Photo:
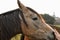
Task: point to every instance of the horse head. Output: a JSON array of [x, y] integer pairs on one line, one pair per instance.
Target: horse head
[[35, 27]]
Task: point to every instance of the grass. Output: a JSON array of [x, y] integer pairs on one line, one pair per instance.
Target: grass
[[57, 25]]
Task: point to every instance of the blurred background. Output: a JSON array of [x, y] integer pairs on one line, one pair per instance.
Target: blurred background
[[41, 6]]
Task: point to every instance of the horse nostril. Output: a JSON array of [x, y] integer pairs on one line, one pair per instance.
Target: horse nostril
[[52, 36]]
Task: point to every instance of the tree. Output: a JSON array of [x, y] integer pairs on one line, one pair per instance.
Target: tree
[[49, 19]]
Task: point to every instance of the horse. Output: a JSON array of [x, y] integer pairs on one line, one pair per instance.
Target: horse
[[26, 21], [35, 17]]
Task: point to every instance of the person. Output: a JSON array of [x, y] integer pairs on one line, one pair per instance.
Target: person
[[57, 34]]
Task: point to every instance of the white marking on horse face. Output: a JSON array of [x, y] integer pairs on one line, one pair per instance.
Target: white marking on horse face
[[20, 17]]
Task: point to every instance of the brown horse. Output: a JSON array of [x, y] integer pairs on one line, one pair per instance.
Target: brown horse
[[36, 28], [25, 21]]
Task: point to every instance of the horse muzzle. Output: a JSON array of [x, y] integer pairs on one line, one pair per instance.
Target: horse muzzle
[[52, 36]]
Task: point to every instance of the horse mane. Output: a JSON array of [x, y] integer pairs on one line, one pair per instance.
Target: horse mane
[[10, 24], [9, 12]]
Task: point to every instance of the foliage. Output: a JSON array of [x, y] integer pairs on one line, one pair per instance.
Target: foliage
[[49, 19]]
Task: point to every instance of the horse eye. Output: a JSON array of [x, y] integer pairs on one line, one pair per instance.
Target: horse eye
[[34, 18]]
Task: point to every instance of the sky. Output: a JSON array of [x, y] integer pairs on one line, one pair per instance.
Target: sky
[[41, 6]]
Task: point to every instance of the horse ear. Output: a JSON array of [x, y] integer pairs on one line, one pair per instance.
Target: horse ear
[[22, 7]]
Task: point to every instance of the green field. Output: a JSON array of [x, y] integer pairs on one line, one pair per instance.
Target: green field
[[57, 25]]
